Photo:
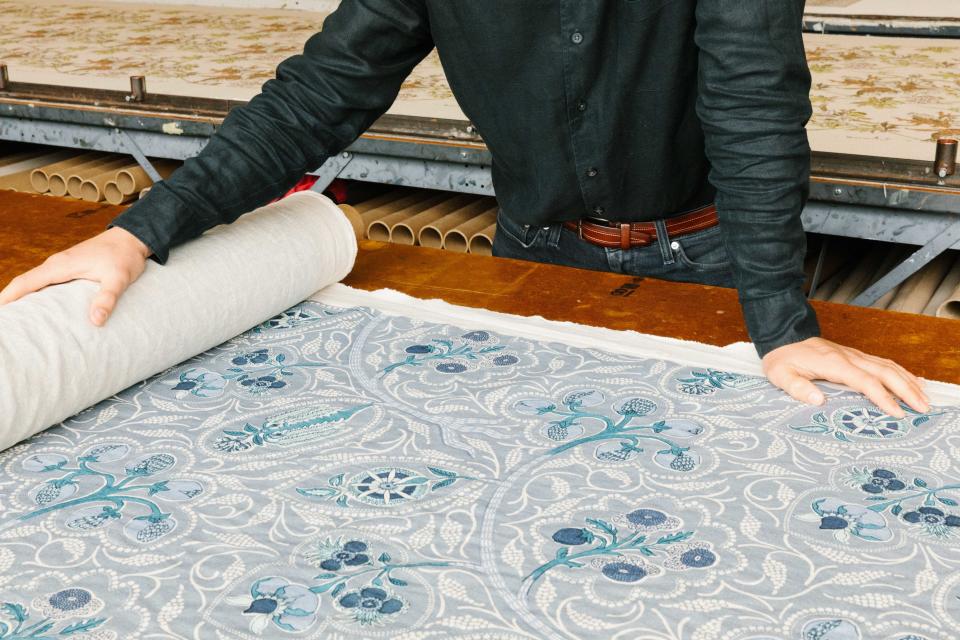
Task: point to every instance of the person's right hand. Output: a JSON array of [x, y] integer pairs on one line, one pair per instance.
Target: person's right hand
[[114, 258]]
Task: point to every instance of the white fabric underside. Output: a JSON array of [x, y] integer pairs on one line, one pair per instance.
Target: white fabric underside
[[739, 357]]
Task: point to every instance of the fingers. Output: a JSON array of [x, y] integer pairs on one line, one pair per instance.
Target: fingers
[[106, 299], [891, 378], [50, 272], [798, 386], [844, 371]]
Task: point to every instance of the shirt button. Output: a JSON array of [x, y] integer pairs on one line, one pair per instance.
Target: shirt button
[[675, 245], [592, 172], [581, 106], [599, 210], [576, 38]]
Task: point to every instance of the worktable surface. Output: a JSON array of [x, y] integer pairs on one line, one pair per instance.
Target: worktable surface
[[34, 226]]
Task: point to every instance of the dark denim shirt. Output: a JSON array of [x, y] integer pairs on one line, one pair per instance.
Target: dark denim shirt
[[622, 109]]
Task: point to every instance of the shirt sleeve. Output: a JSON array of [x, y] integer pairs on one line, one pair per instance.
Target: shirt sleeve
[[319, 102], [753, 105]]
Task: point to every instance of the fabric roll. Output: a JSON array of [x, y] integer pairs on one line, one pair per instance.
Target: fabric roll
[[56, 363]]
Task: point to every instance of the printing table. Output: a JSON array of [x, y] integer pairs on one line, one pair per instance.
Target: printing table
[[34, 226]]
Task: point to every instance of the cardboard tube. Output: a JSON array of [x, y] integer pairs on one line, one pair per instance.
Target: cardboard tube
[[91, 189], [458, 238], [30, 160], [858, 277], [826, 288], [77, 178], [16, 181], [949, 306], [380, 229], [482, 243], [917, 290], [59, 178], [406, 231], [40, 177], [352, 215], [15, 176], [381, 200], [144, 192], [950, 282], [431, 235], [112, 194], [131, 181], [371, 215], [894, 257]]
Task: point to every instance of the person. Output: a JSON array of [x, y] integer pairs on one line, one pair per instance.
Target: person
[[613, 126]]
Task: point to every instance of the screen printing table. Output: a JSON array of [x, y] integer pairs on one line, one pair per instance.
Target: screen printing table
[[929, 347], [879, 106], [928, 18]]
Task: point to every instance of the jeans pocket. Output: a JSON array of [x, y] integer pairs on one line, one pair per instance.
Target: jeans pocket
[[703, 251], [524, 235]]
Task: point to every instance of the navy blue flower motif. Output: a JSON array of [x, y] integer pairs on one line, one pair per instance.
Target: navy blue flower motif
[[883, 480], [258, 385], [477, 336], [931, 517], [370, 604], [70, 599], [505, 360], [697, 558], [420, 348], [624, 572], [254, 357], [451, 367], [351, 555], [71, 602], [572, 536]]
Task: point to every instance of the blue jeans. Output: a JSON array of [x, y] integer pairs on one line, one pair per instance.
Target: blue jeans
[[699, 257]]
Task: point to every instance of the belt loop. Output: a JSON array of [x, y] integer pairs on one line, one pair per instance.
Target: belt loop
[[553, 235], [663, 240], [625, 236]]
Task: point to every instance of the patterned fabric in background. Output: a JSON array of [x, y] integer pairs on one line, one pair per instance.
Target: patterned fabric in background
[[347, 473], [889, 97]]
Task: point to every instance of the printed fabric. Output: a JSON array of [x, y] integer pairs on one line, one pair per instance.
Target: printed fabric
[[344, 473]]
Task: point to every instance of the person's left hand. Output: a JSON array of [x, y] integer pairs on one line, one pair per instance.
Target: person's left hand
[[793, 368]]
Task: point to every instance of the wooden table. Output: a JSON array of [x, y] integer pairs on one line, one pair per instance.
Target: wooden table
[[35, 226]]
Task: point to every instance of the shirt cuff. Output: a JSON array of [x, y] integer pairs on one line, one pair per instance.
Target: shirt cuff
[[160, 220], [780, 319]]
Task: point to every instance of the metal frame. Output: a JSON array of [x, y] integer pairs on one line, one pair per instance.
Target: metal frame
[[854, 196], [882, 25]]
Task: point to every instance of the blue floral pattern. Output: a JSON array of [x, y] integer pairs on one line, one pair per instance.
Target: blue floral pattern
[[345, 473]]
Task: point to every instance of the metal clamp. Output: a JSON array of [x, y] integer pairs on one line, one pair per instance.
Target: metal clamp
[[138, 89], [945, 162]]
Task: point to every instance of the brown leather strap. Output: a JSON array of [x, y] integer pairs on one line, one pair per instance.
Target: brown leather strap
[[620, 235]]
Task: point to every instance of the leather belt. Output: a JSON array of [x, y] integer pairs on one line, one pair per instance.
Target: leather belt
[[625, 235]]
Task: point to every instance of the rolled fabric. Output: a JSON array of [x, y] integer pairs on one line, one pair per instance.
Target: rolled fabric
[[56, 363]]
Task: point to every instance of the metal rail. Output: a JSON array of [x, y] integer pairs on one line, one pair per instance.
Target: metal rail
[[889, 200]]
